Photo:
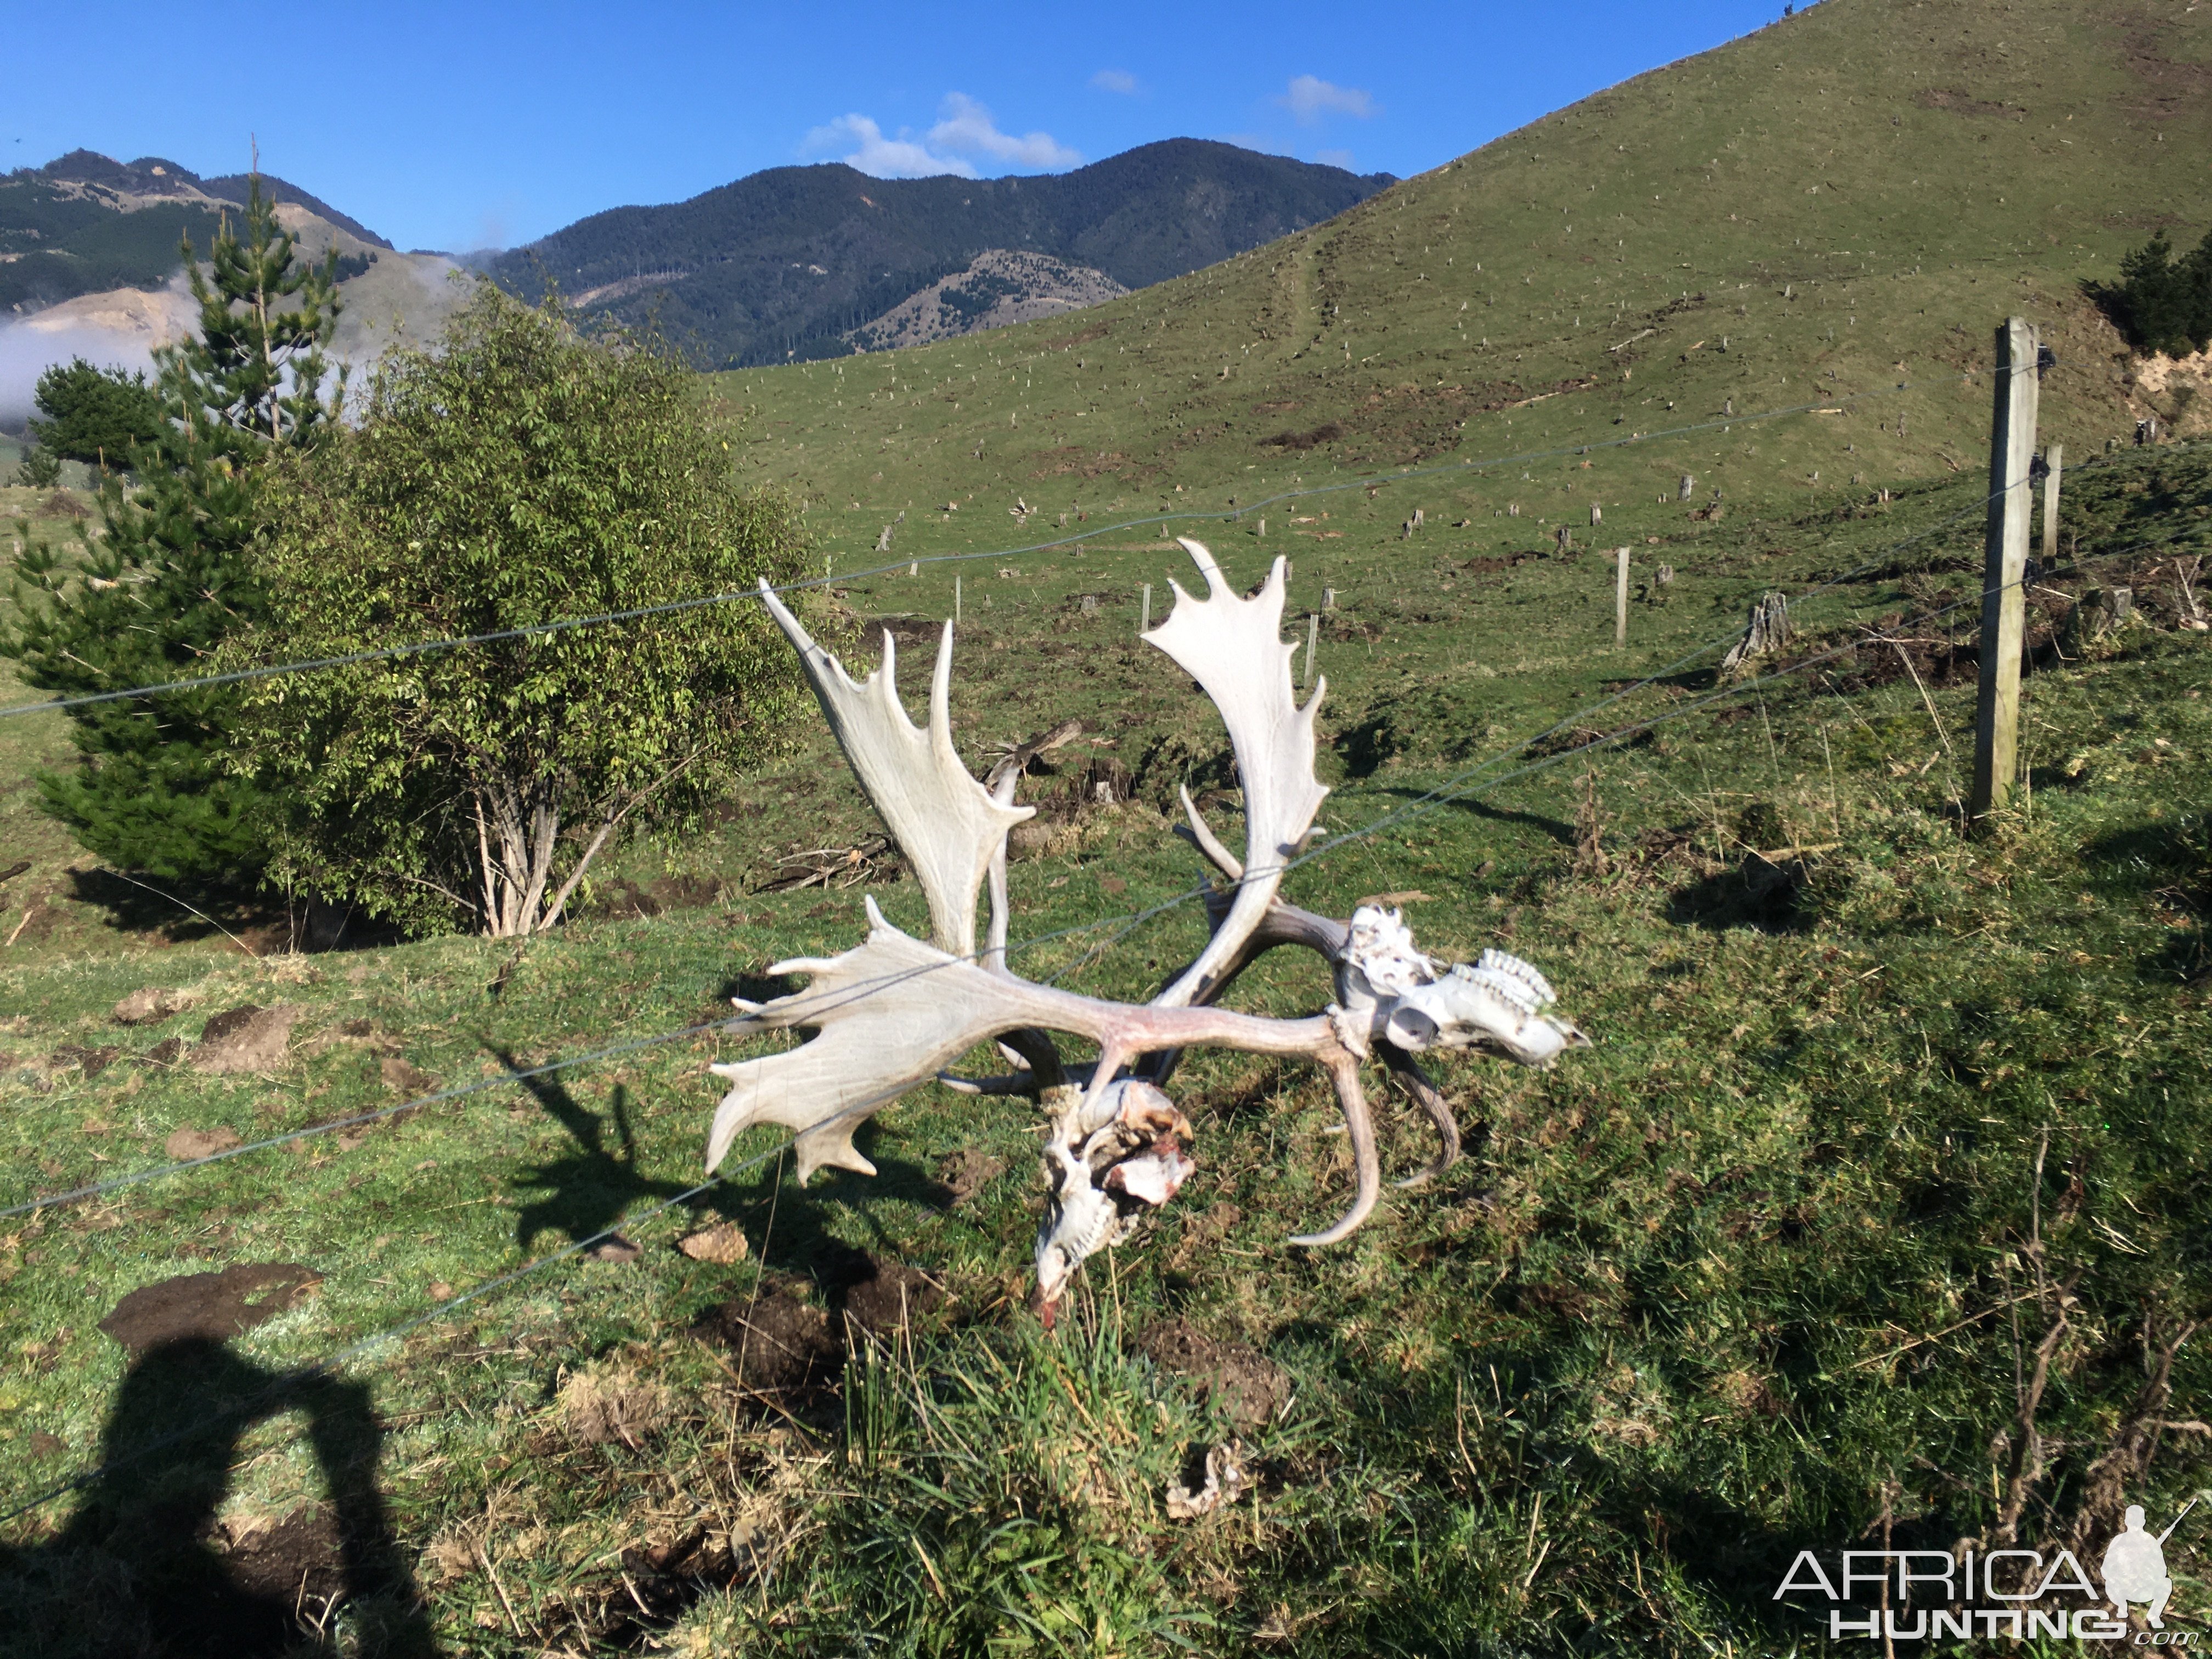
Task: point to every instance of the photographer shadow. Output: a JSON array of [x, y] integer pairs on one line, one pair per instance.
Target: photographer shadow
[[147, 1564]]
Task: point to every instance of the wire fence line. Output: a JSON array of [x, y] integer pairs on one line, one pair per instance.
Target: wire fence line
[[532, 630], [1452, 791], [1445, 794], [1127, 923]]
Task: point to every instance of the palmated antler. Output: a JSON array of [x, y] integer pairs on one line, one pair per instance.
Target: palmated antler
[[1233, 648], [947, 823], [891, 1013]]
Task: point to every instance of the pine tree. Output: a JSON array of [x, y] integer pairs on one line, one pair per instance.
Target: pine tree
[[170, 578], [95, 415], [2162, 303]]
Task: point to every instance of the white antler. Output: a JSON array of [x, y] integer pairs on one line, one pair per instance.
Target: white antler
[[889, 1015], [1233, 647], [945, 823]]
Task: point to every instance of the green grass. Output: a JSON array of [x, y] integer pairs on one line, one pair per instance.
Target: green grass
[[1767, 1266], [1687, 1290]]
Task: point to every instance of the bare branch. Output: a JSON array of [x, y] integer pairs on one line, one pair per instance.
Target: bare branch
[[638, 798]]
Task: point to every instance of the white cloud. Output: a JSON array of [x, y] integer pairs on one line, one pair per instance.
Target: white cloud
[[964, 126], [1118, 81], [877, 156], [1309, 98], [964, 130], [1334, 158]]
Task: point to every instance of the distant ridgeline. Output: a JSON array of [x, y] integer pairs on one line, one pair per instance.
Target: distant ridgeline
[[86, 224], [808, 262]]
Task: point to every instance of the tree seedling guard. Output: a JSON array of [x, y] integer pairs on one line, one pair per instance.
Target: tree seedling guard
[[890, 1014]]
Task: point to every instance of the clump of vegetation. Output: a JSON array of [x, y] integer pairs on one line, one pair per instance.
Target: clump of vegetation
[[98, 416], [2162, 303], [515, 474], [39, 468], [169, 577]]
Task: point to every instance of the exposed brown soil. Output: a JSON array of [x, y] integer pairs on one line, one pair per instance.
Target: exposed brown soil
[[778, 1343], [403, 1077], [298, 1558], [91, 1062], [1245, 1384], [149, 1005], [246, 1039], [892, 1295], [968, 1171], [183, 1145], [1960, 103], [213, 1305], [626, 898]]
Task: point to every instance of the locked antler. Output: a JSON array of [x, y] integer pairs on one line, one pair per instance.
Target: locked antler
[[891, 1012]]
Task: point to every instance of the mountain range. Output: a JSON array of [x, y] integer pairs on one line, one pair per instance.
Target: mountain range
[[1827, 216], [804, 262], [85, 222], [800, 262]]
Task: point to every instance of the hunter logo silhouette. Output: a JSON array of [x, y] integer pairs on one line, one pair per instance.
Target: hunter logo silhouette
[[2134, 1567]]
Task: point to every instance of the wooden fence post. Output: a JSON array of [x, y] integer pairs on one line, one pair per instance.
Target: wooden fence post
[[955, 599], [2055, 459], [1621, 601], [2004, 565], [1145, 625]]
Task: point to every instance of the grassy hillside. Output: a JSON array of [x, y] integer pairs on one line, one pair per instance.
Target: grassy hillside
[[1849, 200]]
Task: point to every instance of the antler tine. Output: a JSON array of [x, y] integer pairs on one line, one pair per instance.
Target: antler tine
[[1359, 1129], [1233, 648], [1431, 1099], [995, 947], [947, 823], [1202, 836]]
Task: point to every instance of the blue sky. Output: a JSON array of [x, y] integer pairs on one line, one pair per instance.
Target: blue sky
[[459, 127]]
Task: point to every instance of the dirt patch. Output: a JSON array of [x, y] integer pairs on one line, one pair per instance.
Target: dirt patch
[[890, 1295], [625, 898], [298, 1558], [218, 1306], [91, 1062], [1960, 103], [150, 1005], [246, 1039], [616, 1405], [188, 1144], [778, 1343], [968, 1171], [1327, 432], [721, 1245], [1245, 1384], [2170, 86], [1083, 462], [402, 1078], [1084, 336]]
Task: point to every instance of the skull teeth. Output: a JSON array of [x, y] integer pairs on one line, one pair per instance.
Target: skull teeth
[[1512, 968]]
